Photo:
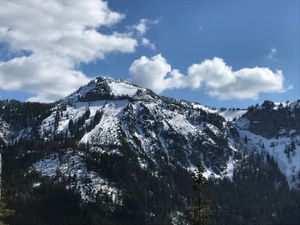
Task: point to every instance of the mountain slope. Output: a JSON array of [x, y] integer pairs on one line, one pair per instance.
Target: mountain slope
[[273, 129]]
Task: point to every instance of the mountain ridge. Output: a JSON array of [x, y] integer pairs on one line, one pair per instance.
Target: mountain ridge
[[105, 90]]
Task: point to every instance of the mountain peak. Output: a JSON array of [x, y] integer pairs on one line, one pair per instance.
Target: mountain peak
[[105, 88]]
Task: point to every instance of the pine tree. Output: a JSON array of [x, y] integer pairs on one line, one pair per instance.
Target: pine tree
[[87, 113], [56, 120], [246, 139], [4, 212], [200, 211], [71, 127]]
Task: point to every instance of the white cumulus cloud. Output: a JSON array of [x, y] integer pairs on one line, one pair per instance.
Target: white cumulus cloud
[[141, 28], [155, 73], [58, 35], [218, 79]]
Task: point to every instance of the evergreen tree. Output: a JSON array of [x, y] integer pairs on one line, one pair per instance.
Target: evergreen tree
[[246, 139], [56, 121], [200, 211], [87, 113], [4, 212]]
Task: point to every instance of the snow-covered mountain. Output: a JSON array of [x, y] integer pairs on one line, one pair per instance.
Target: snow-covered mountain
[[156, 128], [121, 131], [179, 132]]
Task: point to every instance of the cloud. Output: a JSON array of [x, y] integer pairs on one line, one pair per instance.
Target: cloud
[[155, 73], [217, 78], [58, 35], [47, 78], [272, 54], [150, 73], [143, 26], [146, 42]]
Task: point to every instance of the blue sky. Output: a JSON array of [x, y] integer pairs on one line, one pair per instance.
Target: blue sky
[[244, 34]]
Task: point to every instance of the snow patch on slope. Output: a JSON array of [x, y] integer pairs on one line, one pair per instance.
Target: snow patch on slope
[[179, 122], [204, 108], [230, 115], [10, 135], [123, 89], [107, 131], [88, 183]]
